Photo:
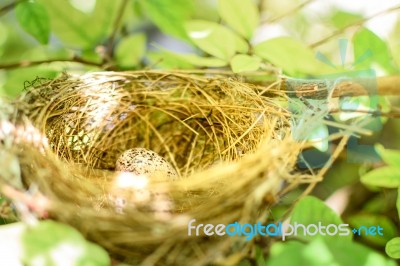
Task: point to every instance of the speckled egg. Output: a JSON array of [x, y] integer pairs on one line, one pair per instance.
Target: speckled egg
[[142, 161]]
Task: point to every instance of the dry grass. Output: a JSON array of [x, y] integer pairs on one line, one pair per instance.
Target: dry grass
[[230, 145]]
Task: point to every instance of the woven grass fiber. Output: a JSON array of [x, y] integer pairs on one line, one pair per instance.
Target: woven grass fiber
[[229, 143]]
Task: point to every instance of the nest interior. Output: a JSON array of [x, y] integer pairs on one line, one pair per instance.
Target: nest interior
[[230, 145]]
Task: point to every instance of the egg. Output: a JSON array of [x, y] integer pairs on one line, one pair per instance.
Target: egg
[[141, 161], [135, 169]]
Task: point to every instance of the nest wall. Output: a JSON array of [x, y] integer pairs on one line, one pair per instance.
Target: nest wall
[[230, 144]]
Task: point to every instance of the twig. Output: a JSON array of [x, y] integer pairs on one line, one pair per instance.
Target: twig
[[9, 7], [385, 86], [294, 10], [116, 26], [391, 114], [357, 23], [319, 177], [389, 85], [29, 201], [74, 59]]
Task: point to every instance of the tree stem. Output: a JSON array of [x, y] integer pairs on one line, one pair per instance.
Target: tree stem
[[74, 59]]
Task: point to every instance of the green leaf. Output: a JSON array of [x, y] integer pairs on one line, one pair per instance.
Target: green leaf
[[388, 228], [79, 29], [94, 255], [291, 55], [169, 15], [14, 79], [388, 177], [279, 251], [214, 39], [259, 256], [319, 252], [393, 248], [372, 49], [52, 242], [202, 61], [376, 205], [167, 60], [241, 15], [190, 59], [34, 19], [391, 157], [311, 210], [341, 19], [130, 50], [245, 63], [398, 202]]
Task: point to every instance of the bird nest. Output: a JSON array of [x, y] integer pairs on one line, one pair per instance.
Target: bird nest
[[230, 145]]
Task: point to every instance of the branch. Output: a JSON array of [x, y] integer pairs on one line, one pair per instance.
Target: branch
[[317, 89], [290, 12], [74, 59], [357, 23], [117, 23], [9, 7], [389, 85]]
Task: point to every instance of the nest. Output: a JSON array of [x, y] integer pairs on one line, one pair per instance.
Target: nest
[[230, 145]]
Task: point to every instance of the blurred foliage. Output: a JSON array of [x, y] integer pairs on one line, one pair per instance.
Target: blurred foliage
[[80, 36], [51, 243], [42, 38]]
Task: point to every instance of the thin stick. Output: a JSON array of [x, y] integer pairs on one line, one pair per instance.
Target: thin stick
[[389, 85], [357, 23], [290, 12], [9, 7], [117, 24], [74, 59]]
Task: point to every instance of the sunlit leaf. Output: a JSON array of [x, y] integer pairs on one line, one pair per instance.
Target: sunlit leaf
[[319, 252], [202, 61], [393, 248], [311, 210], [15, 79], [52, 242], [214, 39], [341, 18], [167, 60], [189, 59], [394, 44], [245, 63], [391, 157], [365, 41], [169, 15], [34, 19], [130, 50], [94, 255], [79, 29], [388, 177], [291, 55], [241, 15], [91, 56]]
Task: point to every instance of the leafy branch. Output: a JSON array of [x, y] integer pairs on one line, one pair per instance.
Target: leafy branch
[[74, 59], [355, 24]]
